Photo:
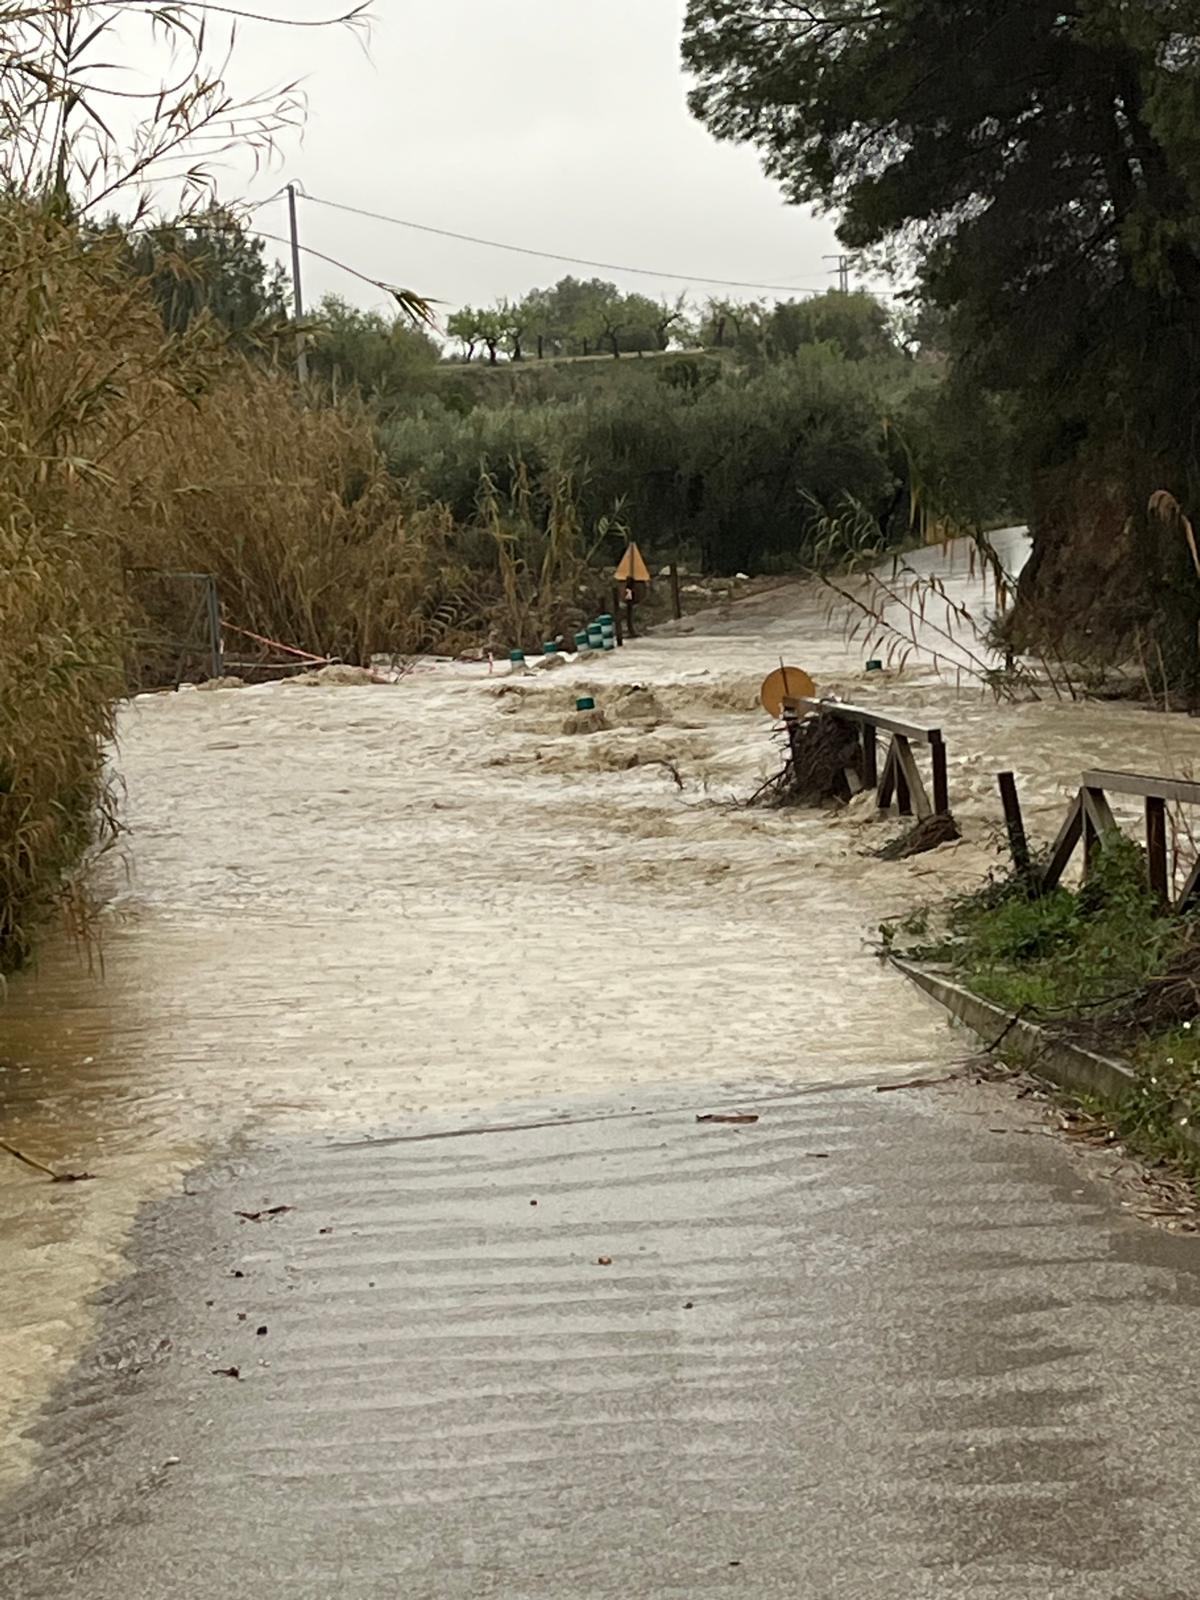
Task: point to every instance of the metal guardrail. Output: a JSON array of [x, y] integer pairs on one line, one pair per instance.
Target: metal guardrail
[[900, 780]]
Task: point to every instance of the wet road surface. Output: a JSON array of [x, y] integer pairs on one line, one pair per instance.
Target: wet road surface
[[874, 1345]]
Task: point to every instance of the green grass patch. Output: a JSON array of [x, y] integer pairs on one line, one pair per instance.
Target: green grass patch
[[1103, 965]]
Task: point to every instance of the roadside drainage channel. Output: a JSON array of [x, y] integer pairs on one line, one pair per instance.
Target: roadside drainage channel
[[1068, 1065]]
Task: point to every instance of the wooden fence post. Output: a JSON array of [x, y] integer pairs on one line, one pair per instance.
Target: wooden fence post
[[941, 785], [903, 792], [1017, 842], [870, 752], [1156, 848]]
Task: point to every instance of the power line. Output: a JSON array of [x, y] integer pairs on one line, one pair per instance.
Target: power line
[[549, 255], [418, 307], [307, 249]]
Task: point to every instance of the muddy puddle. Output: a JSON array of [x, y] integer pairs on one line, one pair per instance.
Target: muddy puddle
[[340, 907]]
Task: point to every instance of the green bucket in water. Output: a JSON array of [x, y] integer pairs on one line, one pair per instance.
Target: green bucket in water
[[874, 666], [585, 703], [581, 641], [516, 659], [549, 648]]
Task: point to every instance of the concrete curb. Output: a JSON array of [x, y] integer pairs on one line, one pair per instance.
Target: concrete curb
[[1068, 1065]]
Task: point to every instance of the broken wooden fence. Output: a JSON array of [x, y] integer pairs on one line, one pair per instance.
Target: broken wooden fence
[[900, 780], [1090, 818]]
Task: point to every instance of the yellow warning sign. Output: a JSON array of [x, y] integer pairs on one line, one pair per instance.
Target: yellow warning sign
[[786, 683], [632, 567]]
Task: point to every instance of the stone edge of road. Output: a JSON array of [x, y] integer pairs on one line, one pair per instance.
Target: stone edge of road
[[1067, 1065]]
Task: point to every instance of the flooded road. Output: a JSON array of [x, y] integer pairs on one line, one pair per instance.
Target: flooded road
[[872, 1345], [343, 907]]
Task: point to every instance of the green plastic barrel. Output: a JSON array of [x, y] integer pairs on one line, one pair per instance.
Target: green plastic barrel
[[581, 641], [549, 648], [610, 642], [585, 703]]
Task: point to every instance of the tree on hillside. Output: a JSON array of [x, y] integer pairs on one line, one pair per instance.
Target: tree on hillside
[[514, 317], [539, 310], [491, 327], [625, 324], [728, 323], [671, 320], [714, 322], [606, 320], [464, 326], [1036, 166], [643, 317], [580, 315]]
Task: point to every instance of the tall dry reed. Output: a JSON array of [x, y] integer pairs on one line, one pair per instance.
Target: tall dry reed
[[83, 366], [291, 507]]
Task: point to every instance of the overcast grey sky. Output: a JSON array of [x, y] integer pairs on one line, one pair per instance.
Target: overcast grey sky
[[556, 124]]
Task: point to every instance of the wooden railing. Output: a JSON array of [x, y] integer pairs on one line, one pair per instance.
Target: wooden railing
[[900, 780], [1090, 818]]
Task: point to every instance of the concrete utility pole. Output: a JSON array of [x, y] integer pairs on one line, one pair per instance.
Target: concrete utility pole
[[297, 296]]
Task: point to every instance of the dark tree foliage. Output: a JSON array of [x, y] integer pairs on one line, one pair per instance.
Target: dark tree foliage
[[1038, 166], [211, 264]]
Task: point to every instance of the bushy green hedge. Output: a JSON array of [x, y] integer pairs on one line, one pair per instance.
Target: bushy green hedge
[[706, 459]]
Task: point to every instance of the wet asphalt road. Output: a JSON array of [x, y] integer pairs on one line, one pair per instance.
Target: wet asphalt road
[[866, 1347]]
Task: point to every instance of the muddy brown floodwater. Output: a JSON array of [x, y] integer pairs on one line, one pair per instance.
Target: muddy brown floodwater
[[338, 907]]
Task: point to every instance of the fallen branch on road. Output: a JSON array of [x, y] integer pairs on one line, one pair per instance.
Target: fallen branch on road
[[49, 1172]]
